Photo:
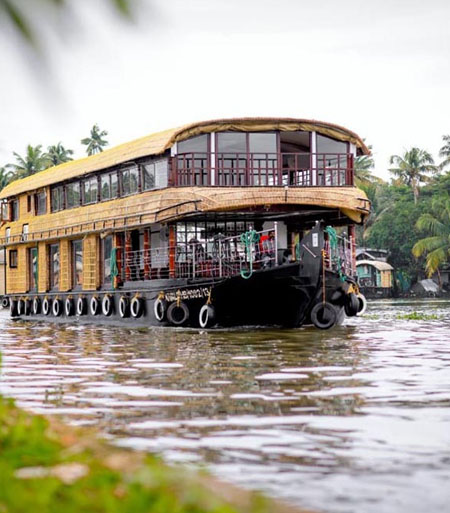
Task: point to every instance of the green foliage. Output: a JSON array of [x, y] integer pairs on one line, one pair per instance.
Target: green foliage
[[95, 142], [34, 161], [417, 316], [394, 227], [37, 474], [57, 154], [412, 168], [444, 152], [436, 224], [26, 20]]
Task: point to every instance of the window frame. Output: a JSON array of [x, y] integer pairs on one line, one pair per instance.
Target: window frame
[[37, 210], [51, 274], [13, 257]]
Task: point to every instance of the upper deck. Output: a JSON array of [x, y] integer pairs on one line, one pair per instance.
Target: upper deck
[[171, 173]]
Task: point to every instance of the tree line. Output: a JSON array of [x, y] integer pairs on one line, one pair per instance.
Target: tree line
[[410, 212], [36, 159]]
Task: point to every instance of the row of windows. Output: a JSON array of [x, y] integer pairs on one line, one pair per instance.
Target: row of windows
[[110, 185], [53, 264]]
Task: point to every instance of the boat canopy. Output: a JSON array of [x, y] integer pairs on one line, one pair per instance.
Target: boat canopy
[[159, 143]]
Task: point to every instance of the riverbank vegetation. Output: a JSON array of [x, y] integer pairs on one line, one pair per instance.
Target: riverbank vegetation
[[411, 212], [48, 467]]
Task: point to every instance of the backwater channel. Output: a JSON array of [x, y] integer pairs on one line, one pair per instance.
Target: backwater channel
[[355, 419]]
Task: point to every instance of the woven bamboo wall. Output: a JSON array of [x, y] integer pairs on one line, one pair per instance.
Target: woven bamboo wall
[[91, 262], [43, 279], [65, 261]]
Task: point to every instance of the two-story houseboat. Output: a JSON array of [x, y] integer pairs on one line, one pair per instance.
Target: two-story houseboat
[[228, 222]]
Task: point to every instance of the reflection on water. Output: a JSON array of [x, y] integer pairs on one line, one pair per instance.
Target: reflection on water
[[355, 419]]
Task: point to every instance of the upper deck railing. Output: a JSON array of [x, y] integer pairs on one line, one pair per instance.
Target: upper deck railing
[[263, 169]]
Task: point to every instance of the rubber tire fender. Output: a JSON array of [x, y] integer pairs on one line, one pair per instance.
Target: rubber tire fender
[[46, 307], [13, 308], [36, 306], [107, 305], [136, 307], [56, 307], [20, 307], [317, 316], [362, 304], [172, 316], [124, 307], [351, 305], [160, 309], [5, 302], [81, 306], [69, 307], [207, 316], [94, 305]]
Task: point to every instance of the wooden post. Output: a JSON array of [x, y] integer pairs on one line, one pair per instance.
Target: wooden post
[[147, 262], [119, 259], [127, 255], [172, 249], [352, 238]]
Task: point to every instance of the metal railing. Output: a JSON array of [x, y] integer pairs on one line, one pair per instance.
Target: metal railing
[[220, 257], [341, 257], [263, 169]]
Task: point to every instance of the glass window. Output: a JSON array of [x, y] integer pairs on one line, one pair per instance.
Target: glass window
[[197, 144], [14, 210], [155, 175], [41, 203], [13, 258], [107, 249], [5, 210], [232, 142], [114, 185], [7, 234], [331, 161], [90, 190], [73, 194], [25, 230], [263, 142], [130, 180], [105, 187], [125, 182], [57, 195], [33, 268], [54, 266], [77, 263]]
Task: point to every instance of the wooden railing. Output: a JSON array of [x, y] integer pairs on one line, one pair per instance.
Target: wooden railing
[[262, 169]]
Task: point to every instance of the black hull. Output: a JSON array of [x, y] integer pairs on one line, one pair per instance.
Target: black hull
[[282, 295]]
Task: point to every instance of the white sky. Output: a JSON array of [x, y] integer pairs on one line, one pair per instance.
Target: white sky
[[378, 67]]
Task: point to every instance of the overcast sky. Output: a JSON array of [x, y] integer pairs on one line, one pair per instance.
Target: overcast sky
[[380, 68]]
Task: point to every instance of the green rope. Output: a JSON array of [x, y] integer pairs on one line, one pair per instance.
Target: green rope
[[114, 267], [297, 251], [334, 253], [249, 238]]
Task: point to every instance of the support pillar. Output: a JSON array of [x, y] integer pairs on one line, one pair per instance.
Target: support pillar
[[352, 239], [127, 256], [147, 258], [172, 249]]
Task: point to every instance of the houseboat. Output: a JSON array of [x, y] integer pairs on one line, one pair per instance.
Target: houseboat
[[229, 222]]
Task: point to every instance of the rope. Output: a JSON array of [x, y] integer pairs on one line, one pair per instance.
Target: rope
[[249, 238], [114, 267]]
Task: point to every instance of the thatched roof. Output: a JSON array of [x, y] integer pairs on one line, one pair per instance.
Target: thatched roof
[[381, 266], [158, 143]]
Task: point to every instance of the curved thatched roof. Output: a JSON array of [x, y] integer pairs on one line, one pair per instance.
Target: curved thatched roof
[[158, 143], [378, 264]]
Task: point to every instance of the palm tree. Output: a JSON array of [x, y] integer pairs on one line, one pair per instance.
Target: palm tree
[[33, 162], [363, 167], [57, 154], [6, 176], [444, 152], [95, 142], [437, 245], [412, 168]]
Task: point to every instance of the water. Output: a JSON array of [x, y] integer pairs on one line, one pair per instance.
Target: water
[[356, 419]]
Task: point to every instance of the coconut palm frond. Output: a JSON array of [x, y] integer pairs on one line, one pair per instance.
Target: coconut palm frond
[[426, 245], [435, 259]]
